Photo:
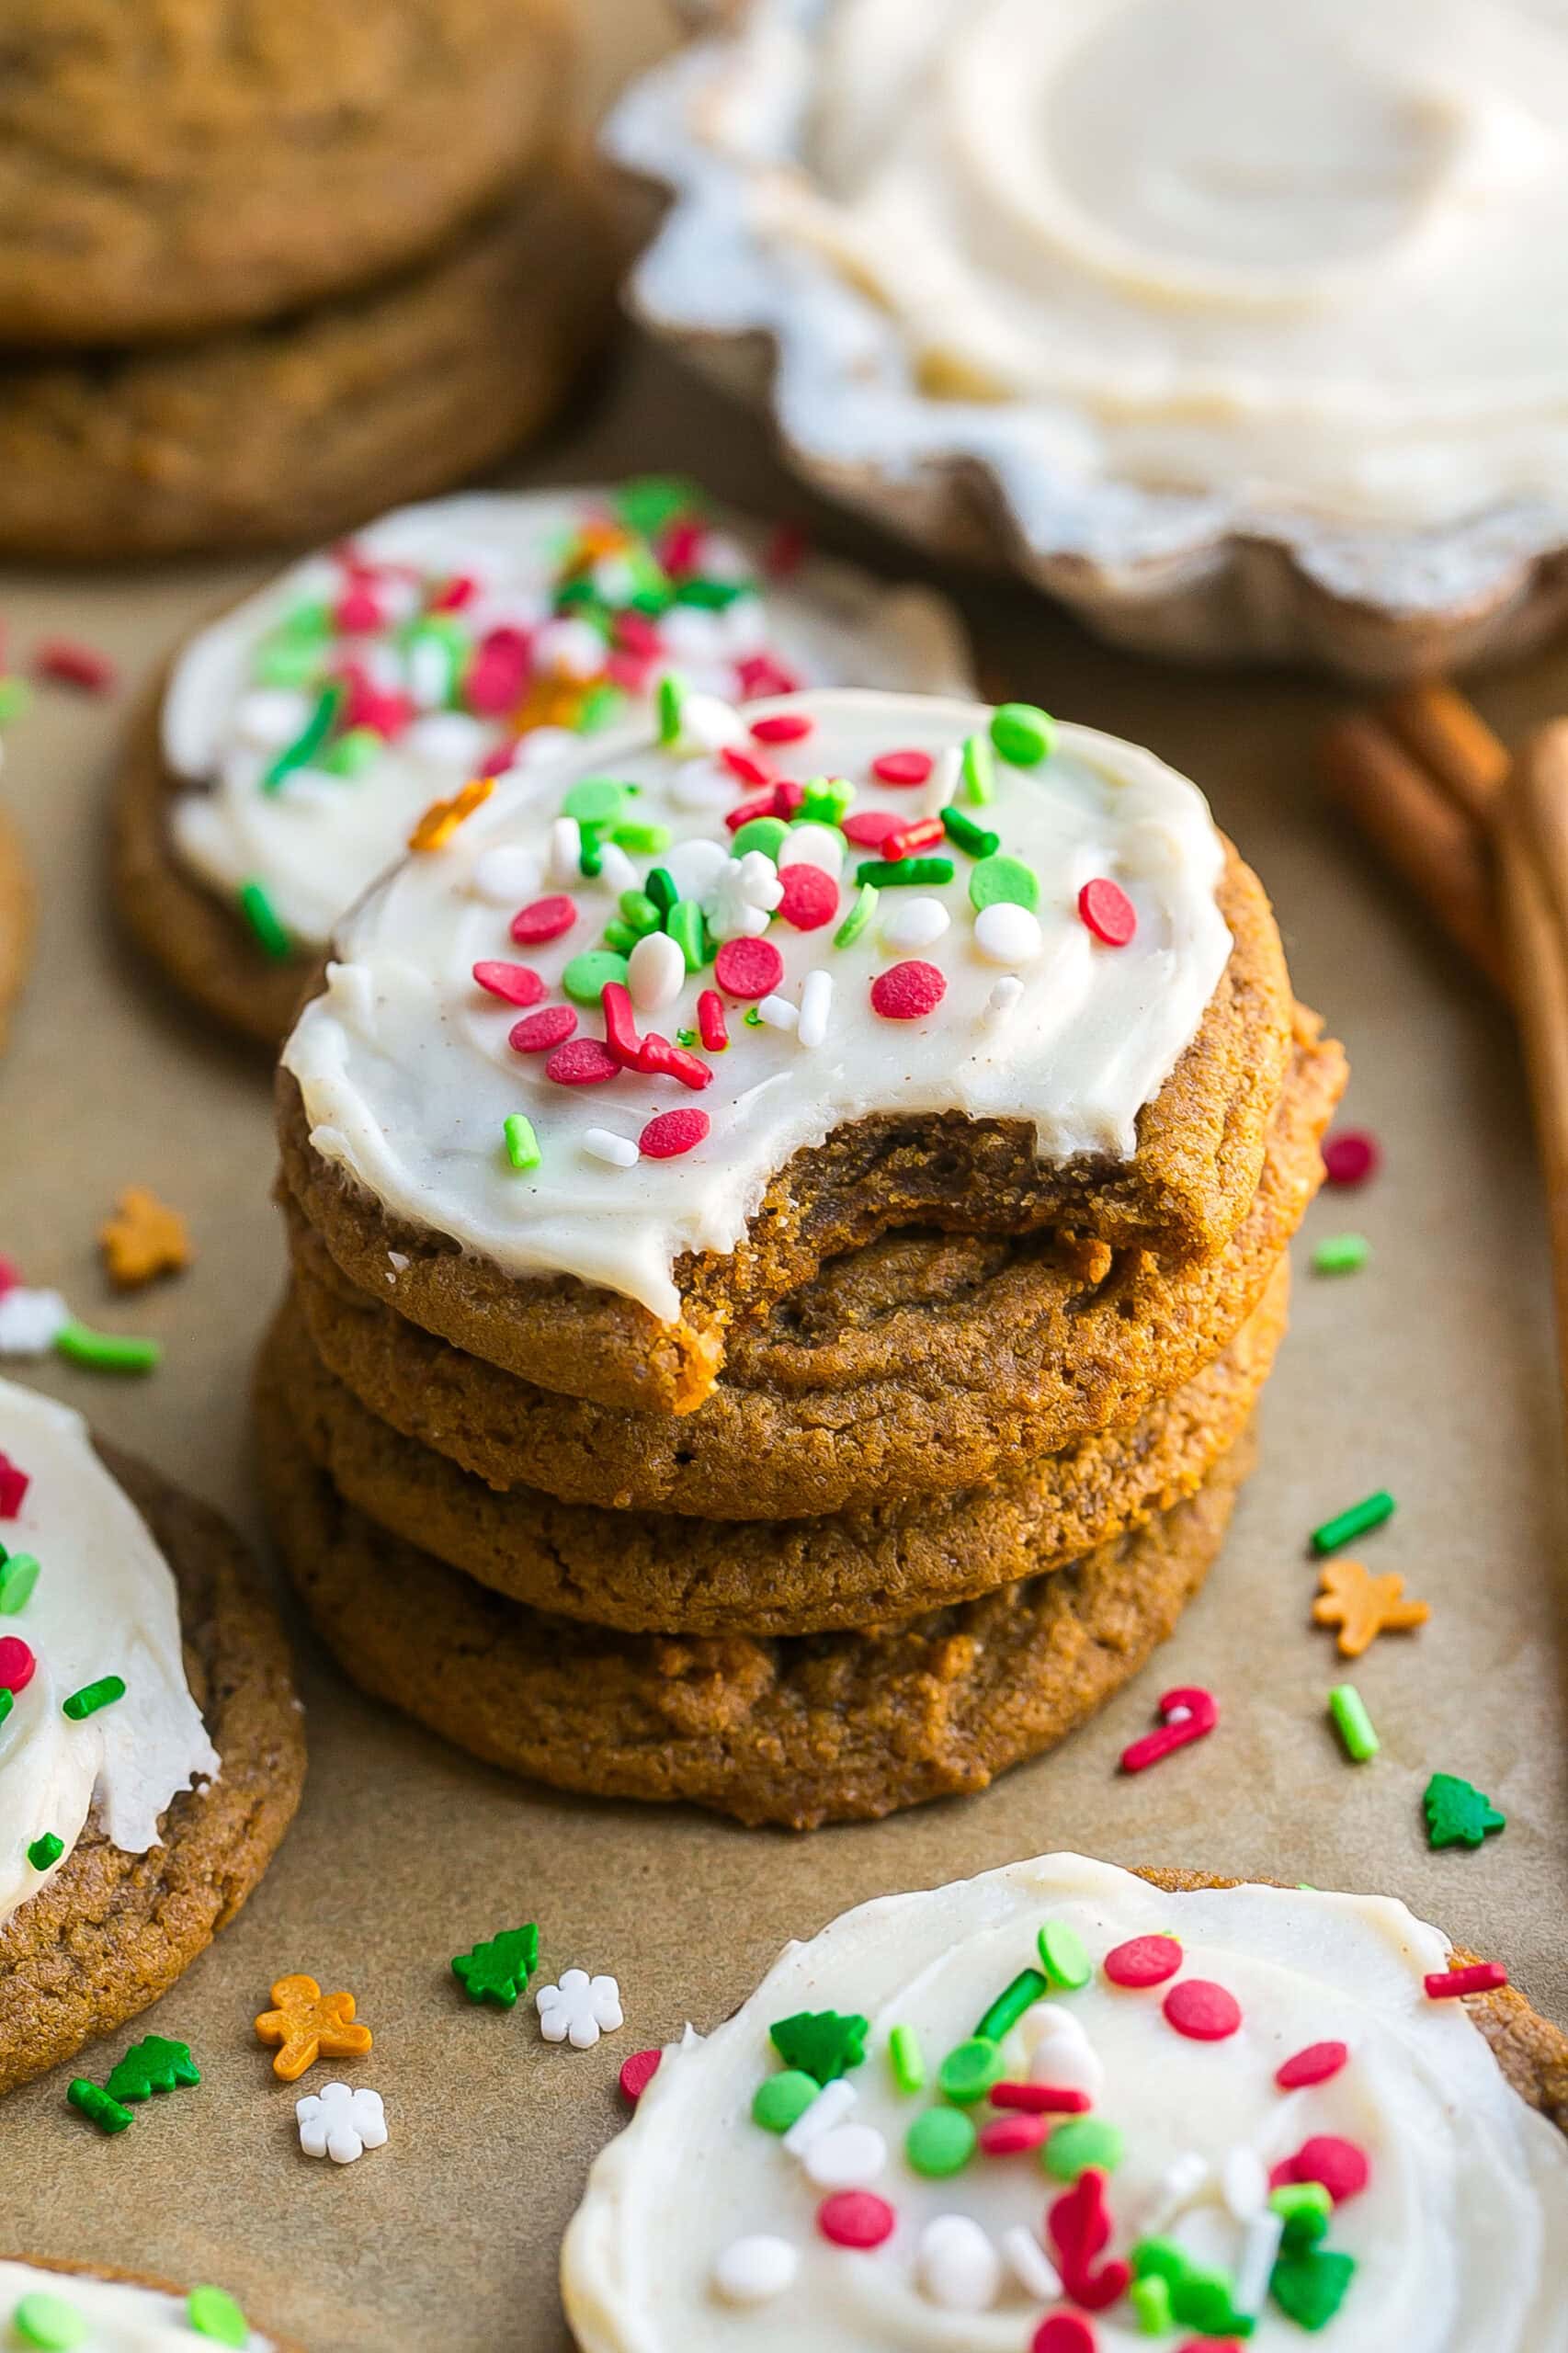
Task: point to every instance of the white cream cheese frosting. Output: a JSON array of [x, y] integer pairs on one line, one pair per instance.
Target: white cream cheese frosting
[[245, 687], [1248, 262], [1459, 2237], [103, 1603], [408, 1076], [119, 2316]]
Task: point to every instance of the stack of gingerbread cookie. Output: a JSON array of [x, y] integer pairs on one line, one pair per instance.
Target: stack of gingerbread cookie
[[789, 1215], [269, 264]]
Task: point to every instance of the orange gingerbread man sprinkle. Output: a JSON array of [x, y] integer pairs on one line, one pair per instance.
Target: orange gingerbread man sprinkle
[[308, 2025], [442, 818], [143, 1238], [1363, 1605]]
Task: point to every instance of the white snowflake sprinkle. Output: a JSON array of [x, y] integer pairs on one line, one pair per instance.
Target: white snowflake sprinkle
[[579, 2009], [341, 2121], [31, 1321]]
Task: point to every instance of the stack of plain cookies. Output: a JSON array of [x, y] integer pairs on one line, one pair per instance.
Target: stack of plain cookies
[[269, 265], [830, 1408]]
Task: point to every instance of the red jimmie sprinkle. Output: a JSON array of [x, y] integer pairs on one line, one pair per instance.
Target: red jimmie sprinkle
[[1042, 2099], [1201, 2011], [1315, 2064], [1350, 1158], [1107, 912], [902, 768], [16, 1664], [869, 828], [514, 983], [1484, 1977], [581, 1061], [787, 797], [855, 2218], [761, 805], [782, 727], [1142, 1961], [748, 968], [14, 1486], [669, 1134], [711, 1024], [542, 919], [70, 664], [659, 1059], [811, 897], [637, 2073], [924, 833], [537, 1032], [760, 675], [1340, 2165], [1007, 2135], [498, 759], [908, 992], [453, 594], [620, 1027], [1064, 2333], [745, 766]]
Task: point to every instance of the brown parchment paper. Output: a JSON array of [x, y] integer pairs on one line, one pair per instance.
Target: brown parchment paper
[[1430, 1372]]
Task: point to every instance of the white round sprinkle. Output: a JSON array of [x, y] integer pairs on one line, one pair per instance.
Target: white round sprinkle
[[914, 922], [831, 2106], [1003, 1000], [603, 1143], [1061, 2052], [813, 845], [655, 973], [449, 738], [1243, 2182], [707, 724], [956, 2264], [571, 649], [1005, 934], [271, 717], [507, 876], [565, 852], [755, 2270], [1029, 2264], [695, 866], [779, 1013], [617, 872], [816, 1004], [702, 784], [848, 2157]]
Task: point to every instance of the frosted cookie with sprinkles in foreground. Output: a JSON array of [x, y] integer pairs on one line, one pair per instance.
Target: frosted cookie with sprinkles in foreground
[[151, 1753], [1062, 2109], [629, 1046], [296, 739], [103, 2310]]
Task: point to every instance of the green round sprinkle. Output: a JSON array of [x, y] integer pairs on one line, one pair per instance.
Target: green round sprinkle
[[1023, 734], [766, 833], [1151, 2300], [596, 800], [970, 2069], [684, 924], [1000, 880], [860, 913], [638, 909], [264, 921], [977, 766], [1064, 1958], [46, 1850], [1341, 1253], [1010, 2005], [621, 938], [1344, 1529], [352, 753], [92, 1696], [522, 1145], [213, 2312], [895, 873], [107, 1351], [642, 838], [280, 664], [670, 702], [49, 2323], [780, 2100], [939, 2141], [587, 975], [18, 1575], [1352, 1723], [599, 707], [650, 501], [1082, 2142], [965, 835], [906, 2059]]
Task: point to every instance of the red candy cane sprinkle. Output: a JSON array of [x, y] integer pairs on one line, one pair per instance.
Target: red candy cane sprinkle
[[513, 983], [1448, 1984], [745, 767], [67, 663], [1143, 1961], [538, 1032], [1006, 2136], [581, 1061], [620, 1026], [903, 767], [1079, 2229], [543, 919], [711, 1027], [1315, 2064], [811, 897], [908, 992], [659, 1059], [1042, 2099], [1351, 1157], [1107, 912], [857, 2218], [637, 2073], [922, 833], [1201, 2011], [869, 828], [1339, 2165], [748, 968], [13, 1485], [16, 1664], [1064, 2333], [1189, 1712], [782, 727]]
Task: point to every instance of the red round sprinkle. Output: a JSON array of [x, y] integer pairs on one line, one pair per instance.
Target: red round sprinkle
[[782, 727], [811, 897], [1107, 912], [581, 1061], [1340, 2165], [748, 968], [514, 983], [1006, 2135], [537, 1032], [16, 1664], [1201, 2011], [638, 2073], [760, 675], [673, 1133], [1042, 2099], [745, 764], [1064, 2333], [1315, 2064], [855, 2218], [1351, 1157], [869, 828], [903, 767], [1143, 1961], [908, 992], [542, 919]]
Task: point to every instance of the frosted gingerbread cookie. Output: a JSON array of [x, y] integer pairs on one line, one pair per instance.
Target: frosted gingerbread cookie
[[1060, 2108], [297, 740], [150, 1755], [103, 2310]]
